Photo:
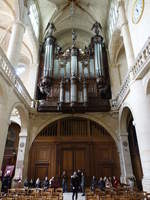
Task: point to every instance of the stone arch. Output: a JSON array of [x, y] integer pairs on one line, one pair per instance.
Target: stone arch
[[73, 144], [128, 136], [147, 86], [10, 9], [123, 114], [23, 116], [90, 117], [114, 46]]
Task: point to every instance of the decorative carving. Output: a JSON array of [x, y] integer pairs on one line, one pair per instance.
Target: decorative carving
[[97, 28], [50, 29], [74, 38], [125, 143], [21, 144]]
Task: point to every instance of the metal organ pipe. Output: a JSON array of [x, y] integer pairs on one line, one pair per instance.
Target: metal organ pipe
[[61, 96], [49, 56], [98, 56], [73, 92], [74, 61], [74, 65], [85, 95]]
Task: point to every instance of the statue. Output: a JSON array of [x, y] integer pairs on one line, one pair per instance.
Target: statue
[[74, 37], [50, 29], [96, 28]]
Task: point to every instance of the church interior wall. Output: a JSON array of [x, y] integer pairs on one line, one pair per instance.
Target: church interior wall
[[138, 36]]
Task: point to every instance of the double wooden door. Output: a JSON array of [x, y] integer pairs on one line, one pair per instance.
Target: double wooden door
[[72, 160]]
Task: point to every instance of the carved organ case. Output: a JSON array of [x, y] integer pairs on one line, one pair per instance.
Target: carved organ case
[[74, 80]]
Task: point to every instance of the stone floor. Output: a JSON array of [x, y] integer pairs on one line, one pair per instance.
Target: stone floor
[[68, 196]]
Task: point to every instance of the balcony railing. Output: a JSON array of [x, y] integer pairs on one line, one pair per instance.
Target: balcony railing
[[9, 74], [139, 69]]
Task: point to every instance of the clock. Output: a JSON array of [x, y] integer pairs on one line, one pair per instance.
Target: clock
[[137, 10]]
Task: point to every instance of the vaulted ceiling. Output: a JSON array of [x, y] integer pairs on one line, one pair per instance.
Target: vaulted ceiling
[[73, 14], [65, 14]]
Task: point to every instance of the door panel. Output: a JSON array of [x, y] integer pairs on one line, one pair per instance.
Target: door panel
[[67, 162], [41, 171], [79, 159], [104, 170]]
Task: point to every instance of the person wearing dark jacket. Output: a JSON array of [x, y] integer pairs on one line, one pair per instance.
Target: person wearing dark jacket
[[26, 184], [46, 183], [101, 184], [6, 182], [64, 181], [93, 184], [75, 185]]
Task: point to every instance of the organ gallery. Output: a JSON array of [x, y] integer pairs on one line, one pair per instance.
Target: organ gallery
[[73, 80]]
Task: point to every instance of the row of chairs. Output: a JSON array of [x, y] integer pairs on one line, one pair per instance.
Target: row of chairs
[[118, 194], [33, 194]]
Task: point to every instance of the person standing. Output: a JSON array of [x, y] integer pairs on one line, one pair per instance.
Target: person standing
[[75, 185], [83, 184], [79, 176], [6, 182], [64, 181]]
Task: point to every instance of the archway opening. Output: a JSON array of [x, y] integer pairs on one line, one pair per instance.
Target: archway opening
[[134, 151], [71, 144]]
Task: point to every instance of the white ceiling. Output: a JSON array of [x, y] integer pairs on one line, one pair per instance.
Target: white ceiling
[[85, 13]]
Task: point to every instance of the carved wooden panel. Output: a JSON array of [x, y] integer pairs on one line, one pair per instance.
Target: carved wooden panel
[[41, 171], [67, 161]]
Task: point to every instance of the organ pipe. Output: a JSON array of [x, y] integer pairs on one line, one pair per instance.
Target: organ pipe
[[98, 56], [49, 56], [61, 96]]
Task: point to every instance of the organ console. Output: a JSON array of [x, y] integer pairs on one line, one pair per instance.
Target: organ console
[[75, 80]]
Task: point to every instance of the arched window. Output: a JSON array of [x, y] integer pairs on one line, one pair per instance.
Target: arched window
[[34, 17]]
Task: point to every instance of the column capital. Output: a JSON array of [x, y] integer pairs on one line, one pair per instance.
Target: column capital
[[19, 22], [120, 3], [122, 134]]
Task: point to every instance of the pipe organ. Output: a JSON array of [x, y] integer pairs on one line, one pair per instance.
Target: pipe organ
[[73, 80]]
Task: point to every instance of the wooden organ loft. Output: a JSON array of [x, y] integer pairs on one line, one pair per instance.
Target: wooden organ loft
[[74, 80]]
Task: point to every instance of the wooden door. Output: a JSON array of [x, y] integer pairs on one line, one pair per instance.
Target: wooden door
[[41, 171]]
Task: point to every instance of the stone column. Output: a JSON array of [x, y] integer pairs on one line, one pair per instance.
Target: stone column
[[126, 34], [21, 159], [125, 158], [3, 133], [14, 47], [140, 104]]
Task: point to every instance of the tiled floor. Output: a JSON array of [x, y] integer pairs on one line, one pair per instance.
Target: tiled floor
[[68, 196]]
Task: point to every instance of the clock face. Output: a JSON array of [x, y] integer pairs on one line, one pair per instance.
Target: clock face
[[137, 11]]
